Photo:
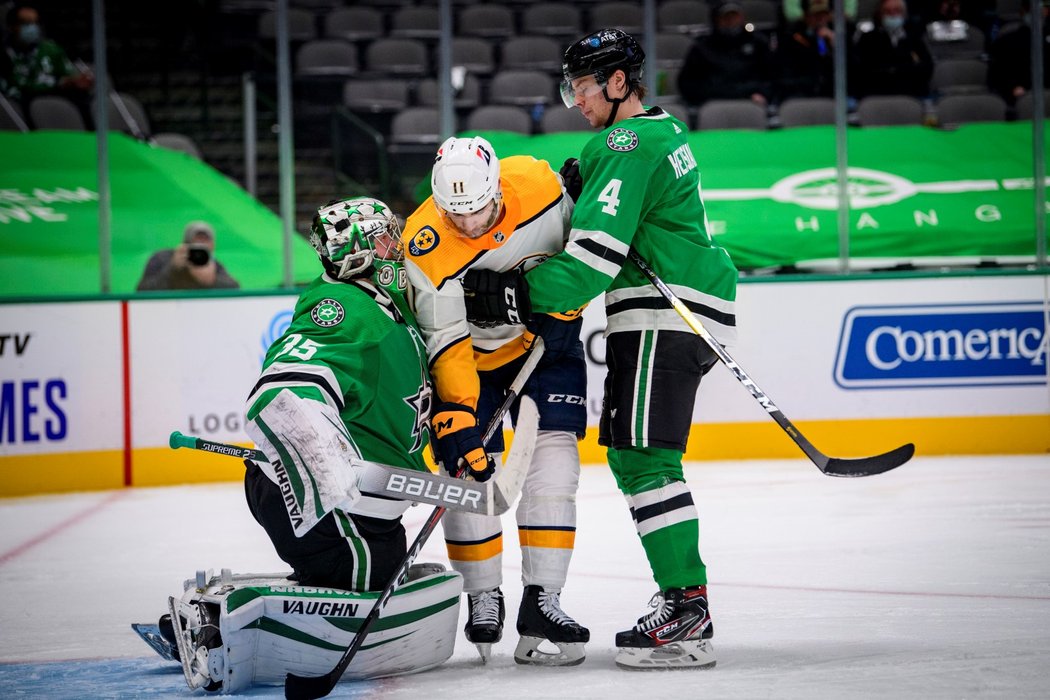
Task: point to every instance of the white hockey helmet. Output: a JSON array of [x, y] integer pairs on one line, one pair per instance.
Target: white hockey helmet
[[349, 235], [465, 177]]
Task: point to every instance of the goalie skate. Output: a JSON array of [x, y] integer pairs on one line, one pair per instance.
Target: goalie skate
[[485, 615], [543, 624], [677, 634], [159, 642], [196, 627]]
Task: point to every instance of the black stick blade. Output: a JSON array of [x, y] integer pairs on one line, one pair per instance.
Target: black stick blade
[[308, 688], [869, 466]]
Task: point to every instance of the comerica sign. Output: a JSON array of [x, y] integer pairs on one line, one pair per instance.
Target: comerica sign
[[943, 345]]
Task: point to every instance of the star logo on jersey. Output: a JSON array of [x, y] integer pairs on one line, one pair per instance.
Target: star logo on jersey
[[422, 403], [622, 140], [327, 313], [424, 241]]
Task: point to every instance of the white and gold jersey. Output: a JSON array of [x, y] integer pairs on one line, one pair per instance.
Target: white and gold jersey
[[534, 226]]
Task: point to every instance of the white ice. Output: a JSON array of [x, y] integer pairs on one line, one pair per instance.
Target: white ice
[[932, 581]]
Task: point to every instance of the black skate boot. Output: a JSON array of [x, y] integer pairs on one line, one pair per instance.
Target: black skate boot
[[674, 635], [540, 619], [485, 620]]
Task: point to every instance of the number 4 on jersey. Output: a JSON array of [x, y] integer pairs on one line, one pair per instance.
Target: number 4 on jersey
[[611, 196]]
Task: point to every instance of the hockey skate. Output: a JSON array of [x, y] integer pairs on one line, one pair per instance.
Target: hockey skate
[[196, 628], [160, 637], [541, 620], [676, 634], [485, 620]]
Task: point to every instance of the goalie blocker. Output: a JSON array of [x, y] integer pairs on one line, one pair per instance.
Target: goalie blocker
[[237, 630]]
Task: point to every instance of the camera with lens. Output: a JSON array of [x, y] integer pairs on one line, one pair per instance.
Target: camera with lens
[[198, 255]]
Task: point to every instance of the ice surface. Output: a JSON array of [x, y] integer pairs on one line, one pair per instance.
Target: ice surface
[[932, 581]]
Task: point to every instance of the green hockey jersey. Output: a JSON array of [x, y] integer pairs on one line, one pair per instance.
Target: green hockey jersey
[[641, 190], [355, 353]]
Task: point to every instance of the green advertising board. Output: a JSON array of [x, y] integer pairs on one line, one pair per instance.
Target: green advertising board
[[916, 193], [49, 216]]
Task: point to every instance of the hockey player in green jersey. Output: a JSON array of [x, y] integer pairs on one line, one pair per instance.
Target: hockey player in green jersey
[[347, 381], [345, 385], [638, 188]]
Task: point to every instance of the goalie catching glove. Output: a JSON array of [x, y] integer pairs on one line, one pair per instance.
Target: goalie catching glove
[[458, 439], [496, 298]]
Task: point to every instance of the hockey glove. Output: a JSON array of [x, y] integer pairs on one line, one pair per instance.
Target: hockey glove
[[560, 335], [570, 177], [496, 298], [458, 441]]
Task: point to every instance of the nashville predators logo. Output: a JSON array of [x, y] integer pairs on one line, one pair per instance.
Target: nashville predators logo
[[423, 242]]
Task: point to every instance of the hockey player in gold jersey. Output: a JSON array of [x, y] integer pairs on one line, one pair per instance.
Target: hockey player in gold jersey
[[494, 215]]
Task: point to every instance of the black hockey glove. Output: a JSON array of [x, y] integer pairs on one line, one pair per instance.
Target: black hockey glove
[[458, 441], [570, 176], [496, 298], [560, 336]]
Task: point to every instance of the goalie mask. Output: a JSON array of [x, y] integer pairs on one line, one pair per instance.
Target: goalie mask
[[350, 235], [466, 187]]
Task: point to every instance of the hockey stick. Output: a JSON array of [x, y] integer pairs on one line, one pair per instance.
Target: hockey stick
[[494, 497], [832, 466], [309, 688]]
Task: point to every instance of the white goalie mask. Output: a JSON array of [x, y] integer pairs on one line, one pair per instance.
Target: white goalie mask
[[465, 183], [350, 235]]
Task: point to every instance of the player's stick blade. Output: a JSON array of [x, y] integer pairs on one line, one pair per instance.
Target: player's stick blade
[[307, 688], [869, 466]]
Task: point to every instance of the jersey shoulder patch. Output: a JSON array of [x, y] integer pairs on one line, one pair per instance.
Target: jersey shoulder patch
[[423, 241], [622, 139], [327, 313]]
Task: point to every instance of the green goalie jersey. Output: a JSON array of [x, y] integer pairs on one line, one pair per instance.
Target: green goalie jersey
[[641, 190], [355, 350]]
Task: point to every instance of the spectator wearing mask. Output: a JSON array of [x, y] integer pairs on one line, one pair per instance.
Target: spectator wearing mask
[[732, 63], [806, 54], [893, 58], [34, 65], [190, 265]]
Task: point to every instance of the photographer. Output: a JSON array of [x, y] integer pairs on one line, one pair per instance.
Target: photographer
[[191, 265]]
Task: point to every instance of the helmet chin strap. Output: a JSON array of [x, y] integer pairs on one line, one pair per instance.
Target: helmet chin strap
[[615, 102]]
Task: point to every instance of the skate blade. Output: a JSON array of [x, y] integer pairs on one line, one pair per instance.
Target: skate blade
[[528, 652], [485, 650], [693, 654], [151, 635]]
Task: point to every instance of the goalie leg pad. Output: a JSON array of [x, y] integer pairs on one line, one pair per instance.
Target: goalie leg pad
[[270, 628]]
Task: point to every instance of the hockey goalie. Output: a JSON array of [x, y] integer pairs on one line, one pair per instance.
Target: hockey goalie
[[347, 383]]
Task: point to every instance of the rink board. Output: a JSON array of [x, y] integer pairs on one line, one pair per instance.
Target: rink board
[[92, 389]]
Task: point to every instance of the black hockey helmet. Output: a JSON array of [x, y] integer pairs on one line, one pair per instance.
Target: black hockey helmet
[[601, 54]]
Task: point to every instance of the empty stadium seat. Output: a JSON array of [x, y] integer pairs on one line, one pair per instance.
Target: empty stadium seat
[[731, 114]]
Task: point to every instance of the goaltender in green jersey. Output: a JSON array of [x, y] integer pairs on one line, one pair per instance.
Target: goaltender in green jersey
[[346, 385]]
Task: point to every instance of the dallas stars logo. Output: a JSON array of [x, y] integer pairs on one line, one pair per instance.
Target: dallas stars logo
[[327, 313], [622, 140], [421, 402]]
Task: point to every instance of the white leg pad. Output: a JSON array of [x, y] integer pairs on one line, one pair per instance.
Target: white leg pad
[[271, 628]]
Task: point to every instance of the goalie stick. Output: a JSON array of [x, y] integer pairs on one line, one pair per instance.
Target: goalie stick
[[832, 466], [494, 497], [312, 687]]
